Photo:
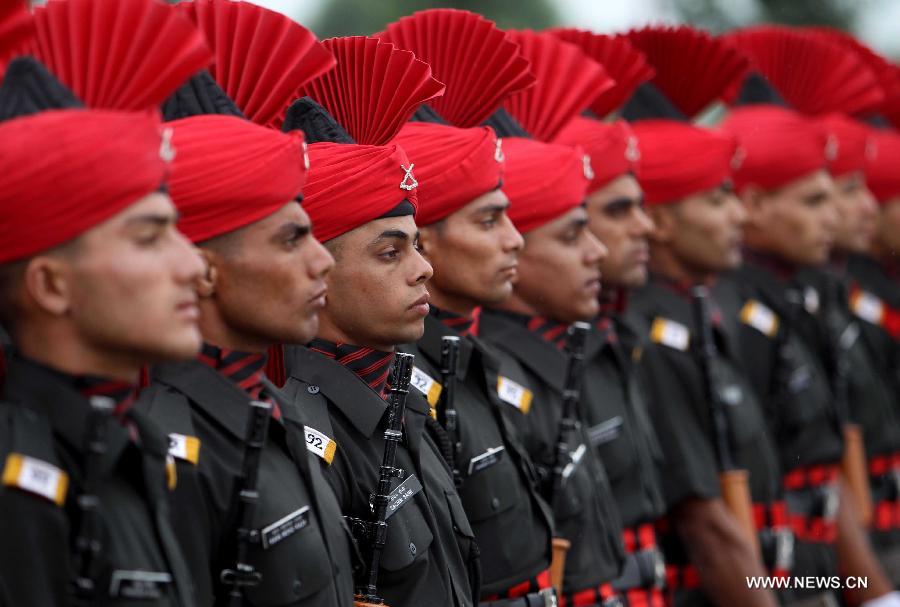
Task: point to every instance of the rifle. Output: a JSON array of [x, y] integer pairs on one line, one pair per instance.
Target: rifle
[[244, 574], [733, 480], [373, 533], [87, 537], [853, 462], [446, 410], [563, 464]]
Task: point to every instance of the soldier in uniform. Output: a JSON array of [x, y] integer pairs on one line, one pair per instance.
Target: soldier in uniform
[[558, 284], [238, 188], [614, 402], [789, 198], [706, 416], [469, 239], [95, 282], [874, 299], [362, 198], [875, 275], [862, 388]]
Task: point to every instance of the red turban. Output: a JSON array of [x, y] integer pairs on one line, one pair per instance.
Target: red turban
[[882, 175], [854, 144], [679, 159], [67, 171], [543, 180], [777, 146], [229, 173], [454, 166], [350, 185], [613, 148]]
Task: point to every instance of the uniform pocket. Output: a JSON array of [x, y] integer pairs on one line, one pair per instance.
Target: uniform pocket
[[613, 443], [408, 537], [458, 514], [293, 560], [491, 491]]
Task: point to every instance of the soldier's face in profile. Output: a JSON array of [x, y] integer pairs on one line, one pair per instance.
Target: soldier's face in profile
[[798, 221], [128, 285], [704, 231], [560, 268], [857, 213], [618, 220], [888, 235], [473, 252], [376, 291], [269, 278]]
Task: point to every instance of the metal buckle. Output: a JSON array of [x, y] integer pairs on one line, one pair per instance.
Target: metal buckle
[[613, 601], [895, 480], [549, 596], [784, 549], [659, 569], [831, 500]]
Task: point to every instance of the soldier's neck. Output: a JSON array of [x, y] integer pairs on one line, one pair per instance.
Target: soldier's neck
[[448, 302], [216, 331], [665, 263], [59, 348], [330, 331], [515, 303]]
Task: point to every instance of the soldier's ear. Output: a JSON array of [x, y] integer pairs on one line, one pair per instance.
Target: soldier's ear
[[206, 284], [427, 239], [47, 282], [754, 201], [664, 223]]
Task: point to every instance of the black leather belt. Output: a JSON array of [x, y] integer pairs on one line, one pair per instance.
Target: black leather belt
[[814, 502], [544, 598]]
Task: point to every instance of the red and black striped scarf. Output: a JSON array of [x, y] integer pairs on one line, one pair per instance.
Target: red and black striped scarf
[[372, 366], [244, 369], [122, 393], [464, 325]]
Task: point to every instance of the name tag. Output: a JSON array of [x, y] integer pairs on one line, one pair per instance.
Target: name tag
[[426, 385], [605, 432], [486, 459], [36, 476], [186, 448], [285, 527], [670, 333], [760, 317], [320, 444], [867, 306], [514, 394], [138, 585], [402, 494]]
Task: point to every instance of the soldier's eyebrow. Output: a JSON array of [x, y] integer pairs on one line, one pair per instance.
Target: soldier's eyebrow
[[293, 231], [621, 203], [492, 208], [395, 235], [578, 223], [158, 219], [816, 197]]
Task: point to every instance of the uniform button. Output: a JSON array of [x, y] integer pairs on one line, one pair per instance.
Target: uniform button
[[297, 586], [495, 503], [412, 548], [312, 389]]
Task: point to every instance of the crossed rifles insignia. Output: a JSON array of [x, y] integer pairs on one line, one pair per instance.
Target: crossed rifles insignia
[[409, 181]]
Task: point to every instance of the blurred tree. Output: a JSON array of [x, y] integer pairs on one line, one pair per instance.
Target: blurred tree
[[718, 15], [355, 17]]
